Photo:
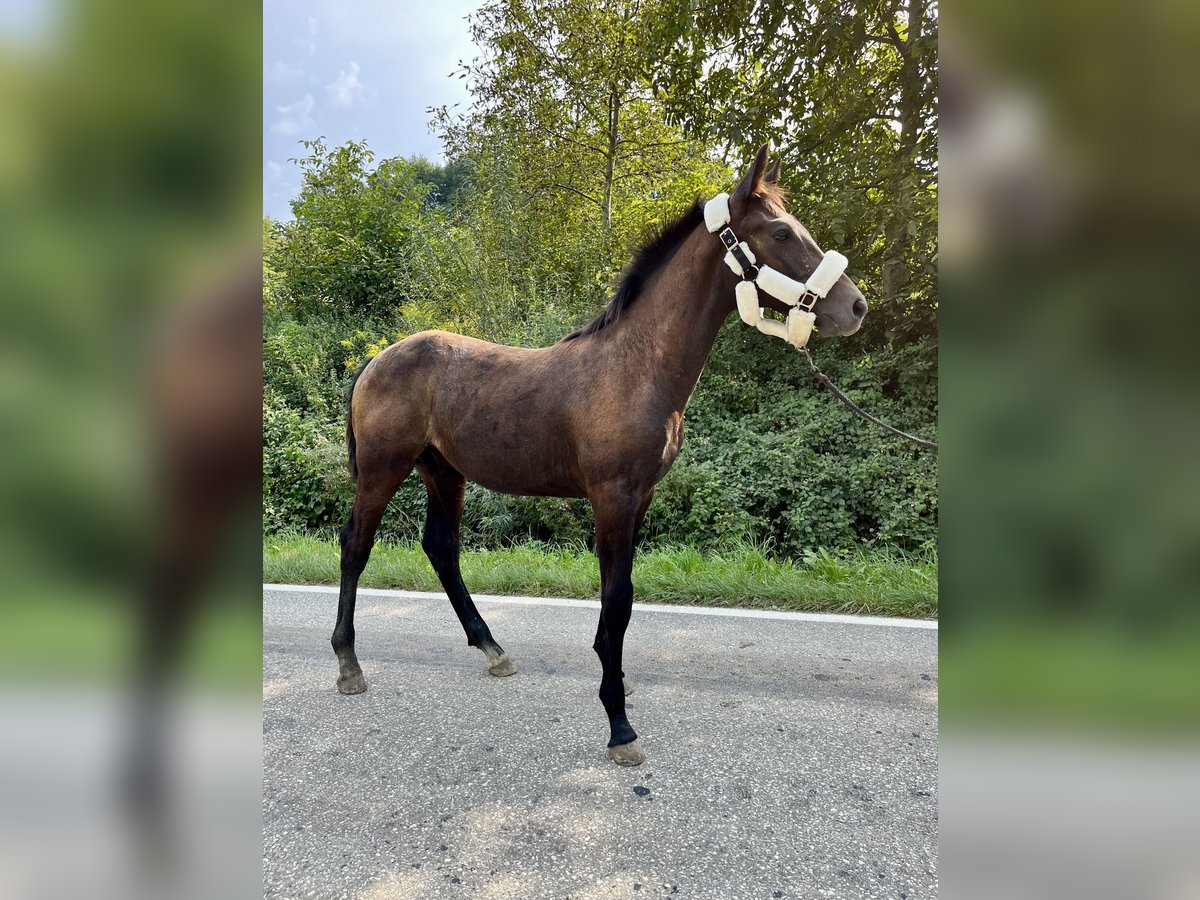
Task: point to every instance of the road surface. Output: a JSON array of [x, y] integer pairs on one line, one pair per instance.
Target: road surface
[[789, 756]]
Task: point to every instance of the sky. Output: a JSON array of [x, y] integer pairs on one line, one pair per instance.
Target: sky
[[362, 70]]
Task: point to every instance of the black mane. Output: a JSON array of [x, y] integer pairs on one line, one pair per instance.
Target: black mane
[[658, 248]]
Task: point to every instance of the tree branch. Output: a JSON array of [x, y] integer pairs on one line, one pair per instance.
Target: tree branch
[[883, 38], [562, 137], [567, 187]]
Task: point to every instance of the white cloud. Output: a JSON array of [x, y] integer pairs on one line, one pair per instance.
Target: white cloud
[[272, 169], [346, 89], [281, 73], [296, 117], [308, 44]]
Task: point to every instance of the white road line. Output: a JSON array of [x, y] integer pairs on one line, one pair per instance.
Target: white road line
[[826, 618]]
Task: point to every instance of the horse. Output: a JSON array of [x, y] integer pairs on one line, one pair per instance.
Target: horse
[[598, 415]]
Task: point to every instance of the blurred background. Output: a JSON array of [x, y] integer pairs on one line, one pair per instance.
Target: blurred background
[[130, 345], [1071, 532]]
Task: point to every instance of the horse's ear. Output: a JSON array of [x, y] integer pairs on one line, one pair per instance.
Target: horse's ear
[[753, 177], [773, 175]]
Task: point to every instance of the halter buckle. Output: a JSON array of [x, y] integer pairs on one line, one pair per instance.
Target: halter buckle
[[728, 238]]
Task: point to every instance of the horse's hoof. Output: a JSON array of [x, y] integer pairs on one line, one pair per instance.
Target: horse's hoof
[[627, 754], [502, 667], [354, 683], [628, 687]]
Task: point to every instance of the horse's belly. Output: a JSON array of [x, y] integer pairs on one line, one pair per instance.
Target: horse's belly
[[515, 463], [525, 487], [503, 476]]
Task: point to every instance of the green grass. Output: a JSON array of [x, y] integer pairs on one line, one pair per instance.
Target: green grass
[[875, 583], [1074, 674], [89, 637]]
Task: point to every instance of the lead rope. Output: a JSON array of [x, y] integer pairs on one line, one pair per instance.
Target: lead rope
[[823, 379]]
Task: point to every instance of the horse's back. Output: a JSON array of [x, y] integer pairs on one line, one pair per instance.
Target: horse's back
[[419, 359]]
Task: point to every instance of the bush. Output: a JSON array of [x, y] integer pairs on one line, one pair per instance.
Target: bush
[[306, 483], [303, 366]]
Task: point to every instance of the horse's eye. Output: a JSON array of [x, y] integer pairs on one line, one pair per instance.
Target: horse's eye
[[782, 235]]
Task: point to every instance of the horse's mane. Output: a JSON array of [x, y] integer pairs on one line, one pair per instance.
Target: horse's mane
[[655, 252]]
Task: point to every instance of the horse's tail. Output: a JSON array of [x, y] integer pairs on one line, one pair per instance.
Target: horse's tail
[[351, 446]]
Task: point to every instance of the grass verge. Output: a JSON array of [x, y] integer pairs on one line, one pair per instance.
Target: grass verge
[[875, 583], [88, 636]]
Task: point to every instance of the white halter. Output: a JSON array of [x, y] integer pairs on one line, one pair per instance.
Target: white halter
[[801, 296]]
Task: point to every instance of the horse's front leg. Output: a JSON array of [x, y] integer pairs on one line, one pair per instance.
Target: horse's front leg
[[598, 644], [616, 514]]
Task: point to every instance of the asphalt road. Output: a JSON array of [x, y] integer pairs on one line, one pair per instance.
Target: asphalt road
[[788, 756]]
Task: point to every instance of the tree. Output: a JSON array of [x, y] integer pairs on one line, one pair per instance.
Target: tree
[[345, 251], [848, 94], [448, 183], [566, 118]]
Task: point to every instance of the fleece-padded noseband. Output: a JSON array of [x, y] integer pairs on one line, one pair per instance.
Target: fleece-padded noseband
[[800, 295]]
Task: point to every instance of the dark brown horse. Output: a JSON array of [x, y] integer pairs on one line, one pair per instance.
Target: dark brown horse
[[597, 415]]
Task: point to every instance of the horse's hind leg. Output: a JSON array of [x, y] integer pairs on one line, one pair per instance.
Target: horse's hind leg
[[374, 493], [446, 487]]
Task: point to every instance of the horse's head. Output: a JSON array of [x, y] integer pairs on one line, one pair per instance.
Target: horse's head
[[777, 239]]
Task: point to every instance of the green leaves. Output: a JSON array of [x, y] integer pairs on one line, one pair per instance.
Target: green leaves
[[569, 131], [848, 97], [343, 253]]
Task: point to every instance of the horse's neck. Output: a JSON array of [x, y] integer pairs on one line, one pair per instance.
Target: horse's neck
[[675, 322]]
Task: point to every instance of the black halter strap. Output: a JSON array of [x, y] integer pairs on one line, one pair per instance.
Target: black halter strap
[[734, 246]]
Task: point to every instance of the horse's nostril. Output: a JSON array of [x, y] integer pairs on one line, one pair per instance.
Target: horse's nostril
[[860, 307]]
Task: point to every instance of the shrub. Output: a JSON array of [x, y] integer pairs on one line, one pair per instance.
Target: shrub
[[306, 483]]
